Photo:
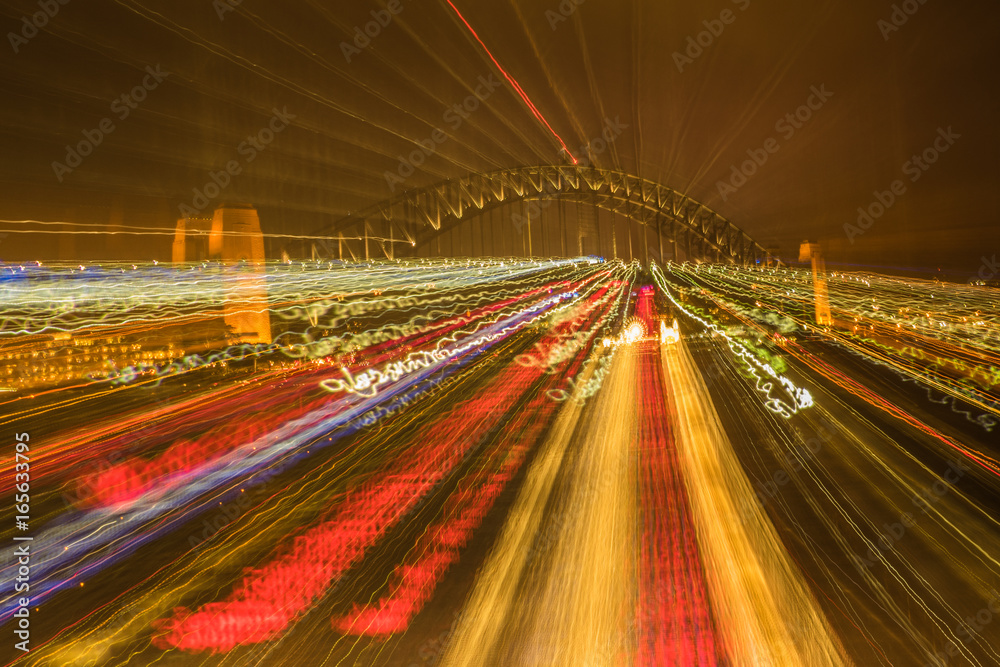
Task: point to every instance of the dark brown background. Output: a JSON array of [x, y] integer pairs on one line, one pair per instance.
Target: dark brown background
[[610, 58]]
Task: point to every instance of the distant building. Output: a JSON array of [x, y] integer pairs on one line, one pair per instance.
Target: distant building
[[232, 237], [191, 240], [233, 242], [236, 235], [811, 252]]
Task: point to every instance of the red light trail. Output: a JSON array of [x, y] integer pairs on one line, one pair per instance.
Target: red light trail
[[515, 84]]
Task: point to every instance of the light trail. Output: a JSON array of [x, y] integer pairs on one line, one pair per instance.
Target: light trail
[[513, 83], [985, 461], [582, 589], [501, 325], [350, 491], [482, 636], [78, 539], [415, 579], [883, 513], [944, 336], [260, 605], [675, 621], [767, 615], [799, 397]]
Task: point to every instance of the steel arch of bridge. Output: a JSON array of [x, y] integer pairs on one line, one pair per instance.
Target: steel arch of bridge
[[418, 215]]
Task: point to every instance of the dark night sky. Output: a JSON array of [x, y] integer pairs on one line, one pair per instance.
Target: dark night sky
[[609, 59]]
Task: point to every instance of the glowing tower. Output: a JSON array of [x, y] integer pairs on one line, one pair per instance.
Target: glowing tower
[[237, 242], [811, 251]]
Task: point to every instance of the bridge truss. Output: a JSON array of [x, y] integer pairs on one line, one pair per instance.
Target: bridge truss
[[398, 225]]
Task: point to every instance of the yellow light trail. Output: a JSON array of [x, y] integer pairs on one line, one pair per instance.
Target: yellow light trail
[[766, 613], [480, 634]]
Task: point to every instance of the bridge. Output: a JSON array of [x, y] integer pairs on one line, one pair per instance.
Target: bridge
[[428, 221]]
